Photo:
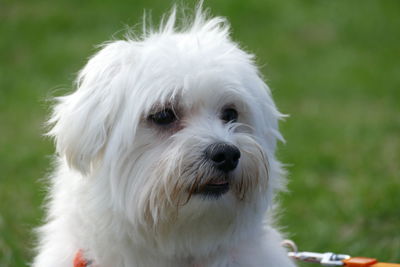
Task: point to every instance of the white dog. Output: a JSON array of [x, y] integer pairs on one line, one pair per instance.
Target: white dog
[[166, 156]]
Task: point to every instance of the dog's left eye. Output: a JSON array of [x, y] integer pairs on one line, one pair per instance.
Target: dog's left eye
[[229, 115], [164, 117]]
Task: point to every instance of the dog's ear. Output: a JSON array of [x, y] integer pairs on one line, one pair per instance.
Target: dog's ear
[[266, 114], [82, 121]]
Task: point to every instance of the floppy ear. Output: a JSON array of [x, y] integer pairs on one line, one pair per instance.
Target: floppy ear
[[82, 121]]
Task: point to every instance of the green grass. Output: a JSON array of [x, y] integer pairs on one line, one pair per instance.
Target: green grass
[[332, 65]]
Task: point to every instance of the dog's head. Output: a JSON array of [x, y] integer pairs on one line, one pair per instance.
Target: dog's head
[[177, 124]]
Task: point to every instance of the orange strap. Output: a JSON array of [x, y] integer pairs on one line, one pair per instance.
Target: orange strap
[[79, 260], [367, 262]]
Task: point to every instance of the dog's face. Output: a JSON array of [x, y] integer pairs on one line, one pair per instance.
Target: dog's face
[[178, 125]]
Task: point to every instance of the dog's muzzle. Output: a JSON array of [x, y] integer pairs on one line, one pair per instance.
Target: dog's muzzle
[[224, 158]]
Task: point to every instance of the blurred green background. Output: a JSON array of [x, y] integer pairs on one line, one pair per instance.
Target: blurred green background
[[334, 66]]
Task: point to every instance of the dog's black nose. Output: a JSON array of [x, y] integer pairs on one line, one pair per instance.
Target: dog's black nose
[[225, 157]]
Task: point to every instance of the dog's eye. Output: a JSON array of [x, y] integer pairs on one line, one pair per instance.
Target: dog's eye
[[229, 115], [164, 117]]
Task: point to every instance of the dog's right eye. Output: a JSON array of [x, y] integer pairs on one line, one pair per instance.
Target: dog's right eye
[[164, 117], [229, 115]]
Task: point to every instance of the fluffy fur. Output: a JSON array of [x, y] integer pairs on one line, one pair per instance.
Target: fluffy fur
[[125, 190]]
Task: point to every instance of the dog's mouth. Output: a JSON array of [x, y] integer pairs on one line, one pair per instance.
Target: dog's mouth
[[214, 189]]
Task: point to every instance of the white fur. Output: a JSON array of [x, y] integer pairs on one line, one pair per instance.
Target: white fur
[[120, 191]]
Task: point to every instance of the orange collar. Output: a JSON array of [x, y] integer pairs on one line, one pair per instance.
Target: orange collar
[[80, 261]]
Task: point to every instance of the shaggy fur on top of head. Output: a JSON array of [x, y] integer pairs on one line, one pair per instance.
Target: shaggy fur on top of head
[[138, 181]]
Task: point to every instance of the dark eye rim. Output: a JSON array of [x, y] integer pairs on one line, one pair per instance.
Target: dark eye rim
[[164, 117], [229, 114]]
